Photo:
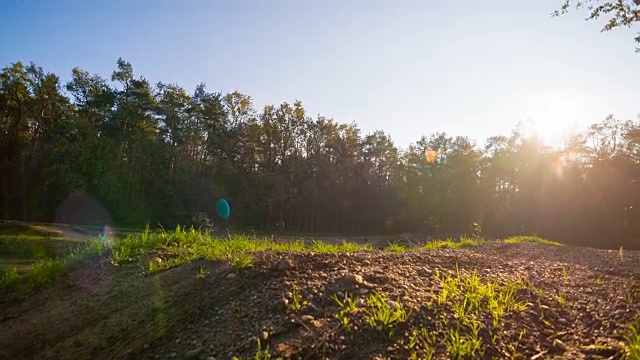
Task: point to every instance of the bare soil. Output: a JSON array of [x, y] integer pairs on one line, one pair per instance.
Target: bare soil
[[207, 310]]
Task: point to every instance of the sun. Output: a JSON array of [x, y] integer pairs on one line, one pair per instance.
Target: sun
[[552, 120]]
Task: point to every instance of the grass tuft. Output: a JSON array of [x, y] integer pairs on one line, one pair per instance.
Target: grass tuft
[[531, 239], [469, 296], [346, 306], [382, 315], [395, 248], [421, 344], [632, 349], [242, 260], [9, 282], [453, 244]]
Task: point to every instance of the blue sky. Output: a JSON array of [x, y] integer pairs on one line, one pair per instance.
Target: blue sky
[[406, 67]]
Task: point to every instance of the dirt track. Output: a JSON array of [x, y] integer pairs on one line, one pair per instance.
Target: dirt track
[[98, 311]]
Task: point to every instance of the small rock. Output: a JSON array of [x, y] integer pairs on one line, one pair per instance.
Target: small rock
[[352, 279], [286, 265], [307, 318], [314, 308], [366, 262], [284, 302], [422, 272], [264, 336], [363, 291], [392, 304], [559, 345], [193, 354], [231, 276]]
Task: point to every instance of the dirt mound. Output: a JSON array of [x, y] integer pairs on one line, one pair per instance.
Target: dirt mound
[[563, 301], [20, 228]]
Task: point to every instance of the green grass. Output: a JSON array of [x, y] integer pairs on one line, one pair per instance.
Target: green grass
[[531, 239], [463, 346], [319, 246], [296, 300], [261, 354], [183, 246], [13, 283], [469, 296], [381, 315], [395, 248], [453, 244], [346, 306], [632, 349], [421, 344], [9, 282]]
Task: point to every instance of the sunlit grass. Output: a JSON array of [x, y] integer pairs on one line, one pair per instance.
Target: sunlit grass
[[183, 246], [319, 246], [632, 349], [453, 244], [530, 239], [469, 296], [396, 248], [381, 315]]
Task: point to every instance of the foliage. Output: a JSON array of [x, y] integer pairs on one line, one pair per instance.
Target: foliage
[[622, 13], [157, 154]]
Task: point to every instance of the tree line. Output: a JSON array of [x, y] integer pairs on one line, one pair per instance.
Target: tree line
[[157, 154]]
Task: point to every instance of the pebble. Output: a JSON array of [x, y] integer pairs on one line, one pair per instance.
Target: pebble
[[560, 345], [193, 354], [264, 335], [422, 272], [231, 276], [314, 308], [307, 318], [363, 291], [286, 265], [353, 279], [366, 262]]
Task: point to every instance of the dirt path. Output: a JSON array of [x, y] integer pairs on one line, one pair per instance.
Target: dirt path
[[207, 309]]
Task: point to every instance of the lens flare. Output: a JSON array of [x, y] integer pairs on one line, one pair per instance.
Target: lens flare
[[431, 155]]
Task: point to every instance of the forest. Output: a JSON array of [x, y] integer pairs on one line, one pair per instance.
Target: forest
[[157, 153]]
